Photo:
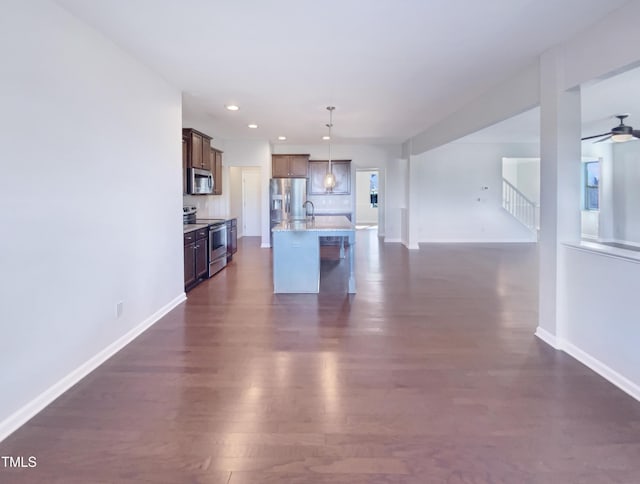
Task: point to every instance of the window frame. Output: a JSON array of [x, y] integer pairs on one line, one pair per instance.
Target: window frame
[[587, 188]]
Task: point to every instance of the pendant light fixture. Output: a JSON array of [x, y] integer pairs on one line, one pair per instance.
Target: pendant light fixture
[[329, 178]]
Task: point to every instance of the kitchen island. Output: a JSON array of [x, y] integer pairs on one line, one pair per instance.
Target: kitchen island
[[296, 252]]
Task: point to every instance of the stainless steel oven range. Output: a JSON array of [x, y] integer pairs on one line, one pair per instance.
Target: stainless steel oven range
[[217, 245]]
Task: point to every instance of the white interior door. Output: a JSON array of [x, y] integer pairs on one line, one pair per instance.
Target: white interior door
[[251, 195]]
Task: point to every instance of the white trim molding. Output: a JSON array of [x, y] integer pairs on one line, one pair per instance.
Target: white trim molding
[[606, 372], [547, 337], [35, 406]]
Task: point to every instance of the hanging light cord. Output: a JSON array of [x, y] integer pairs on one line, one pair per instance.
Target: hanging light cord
[[329, 178]]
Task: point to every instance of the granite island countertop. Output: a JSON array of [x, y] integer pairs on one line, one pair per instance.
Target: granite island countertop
[[321, 223]]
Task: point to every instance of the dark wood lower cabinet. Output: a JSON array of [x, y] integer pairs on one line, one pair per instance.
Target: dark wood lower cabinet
[[196, 252], [189, 264], [201, 259]]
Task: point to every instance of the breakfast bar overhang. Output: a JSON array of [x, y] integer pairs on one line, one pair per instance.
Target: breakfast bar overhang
[[296, 252]]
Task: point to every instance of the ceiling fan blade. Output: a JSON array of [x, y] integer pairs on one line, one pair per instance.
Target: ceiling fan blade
[[636, 133], [603, 139], [597, 136]]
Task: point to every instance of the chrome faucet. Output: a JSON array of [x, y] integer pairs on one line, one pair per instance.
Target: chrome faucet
[[313, 209]]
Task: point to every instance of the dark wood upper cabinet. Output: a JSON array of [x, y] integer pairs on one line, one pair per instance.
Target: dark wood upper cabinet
[[216, 168], [317, 171], [289, 166], [198, 149], [184, 164], [298, 165], [207, 158], [279, 166], [341, 170]]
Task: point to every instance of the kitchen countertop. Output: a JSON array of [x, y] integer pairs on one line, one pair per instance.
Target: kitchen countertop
[[192, 227], [322, 223], [211, 219]]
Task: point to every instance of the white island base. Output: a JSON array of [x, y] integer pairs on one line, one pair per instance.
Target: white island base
[[296, 253]]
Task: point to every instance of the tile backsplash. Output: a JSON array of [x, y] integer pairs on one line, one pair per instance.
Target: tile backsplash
[[209, 206], [332, 203]]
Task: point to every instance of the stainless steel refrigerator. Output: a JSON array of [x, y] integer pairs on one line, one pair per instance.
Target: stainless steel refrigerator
[[287, 196]]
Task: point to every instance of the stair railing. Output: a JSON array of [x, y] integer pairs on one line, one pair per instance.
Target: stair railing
[[518, 205]]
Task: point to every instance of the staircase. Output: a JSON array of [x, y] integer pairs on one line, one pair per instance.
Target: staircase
[[519, 206]]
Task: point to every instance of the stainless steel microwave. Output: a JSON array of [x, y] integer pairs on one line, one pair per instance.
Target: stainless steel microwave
[[199, 182]]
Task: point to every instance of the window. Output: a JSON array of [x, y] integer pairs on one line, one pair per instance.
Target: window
[[591, 184], [373, 190]]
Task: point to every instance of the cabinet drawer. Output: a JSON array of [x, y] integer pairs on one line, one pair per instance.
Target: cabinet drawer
[[189, 237], [202, 233]]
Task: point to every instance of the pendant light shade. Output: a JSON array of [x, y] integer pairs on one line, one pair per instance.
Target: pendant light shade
[[329, 178]]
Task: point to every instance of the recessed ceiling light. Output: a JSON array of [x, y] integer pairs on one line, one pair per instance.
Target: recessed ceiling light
[[326, 137], [252, 126], [232, 107], [282, 138]]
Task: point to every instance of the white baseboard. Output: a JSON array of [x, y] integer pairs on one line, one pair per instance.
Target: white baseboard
[[603, 370], [533, 240], [547, 337], [265, 246], [392, 241], [606, 372], [409, 246], [35, 406]]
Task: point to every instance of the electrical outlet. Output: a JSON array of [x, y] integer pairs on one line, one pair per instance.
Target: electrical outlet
[[119, 308]]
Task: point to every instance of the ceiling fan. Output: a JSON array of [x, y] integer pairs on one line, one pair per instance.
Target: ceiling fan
[[619, 133]]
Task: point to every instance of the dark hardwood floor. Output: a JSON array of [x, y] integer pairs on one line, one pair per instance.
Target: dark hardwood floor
[[430, 374]]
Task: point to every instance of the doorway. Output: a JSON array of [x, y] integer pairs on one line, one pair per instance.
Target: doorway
[[251, 207], [367, 198]]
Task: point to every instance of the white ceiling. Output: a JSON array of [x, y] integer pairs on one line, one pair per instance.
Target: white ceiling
[[392, 68], [601, 101]]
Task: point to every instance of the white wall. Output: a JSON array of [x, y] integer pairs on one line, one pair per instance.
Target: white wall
[[90, 183], [529, 178], [515, 95], [510, 170], [601, 315], [524, 174], [395, 206], [452, 179], [365, 213], [257, 154], [235, 196], [590, 223], [362, 157], [595, 52], [626, 191]]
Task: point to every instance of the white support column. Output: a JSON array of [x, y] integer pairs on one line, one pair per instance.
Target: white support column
[[413, 202], [559, 188]]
